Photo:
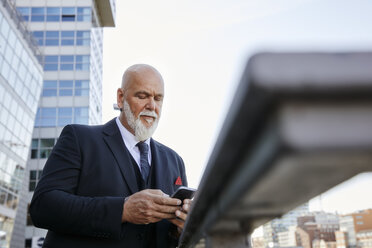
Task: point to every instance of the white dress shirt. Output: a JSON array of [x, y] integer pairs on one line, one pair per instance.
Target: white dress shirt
[[131, 143]]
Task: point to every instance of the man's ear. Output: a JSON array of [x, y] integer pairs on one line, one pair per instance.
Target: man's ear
[[120, 98]]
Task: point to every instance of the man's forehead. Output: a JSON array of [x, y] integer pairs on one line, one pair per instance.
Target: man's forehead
[[143, 77], [153, 87]]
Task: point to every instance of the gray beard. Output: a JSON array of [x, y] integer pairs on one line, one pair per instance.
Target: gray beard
[[141, 132]]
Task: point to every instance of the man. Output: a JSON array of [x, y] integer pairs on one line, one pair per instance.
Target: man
[[109, 186]]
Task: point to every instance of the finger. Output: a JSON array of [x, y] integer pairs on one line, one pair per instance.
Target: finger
[[162, 200], [179, 223], [158, 215], [156, 192], [187, 201], [186, 207], [166, 209], [181, 215]]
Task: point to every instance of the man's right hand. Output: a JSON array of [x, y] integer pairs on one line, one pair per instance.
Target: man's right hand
[[149, 206]]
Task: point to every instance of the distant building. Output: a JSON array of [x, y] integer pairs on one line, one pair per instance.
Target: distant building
[[347, 226], [70, 35], [272, 228], [364, 239], [341, 239], [20, 87], [288, 238], [319, 226], [320, 243], [362, 220], [354, 223], [258, 242]]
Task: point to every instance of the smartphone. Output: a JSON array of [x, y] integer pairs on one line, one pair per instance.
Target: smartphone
[[184, 193]]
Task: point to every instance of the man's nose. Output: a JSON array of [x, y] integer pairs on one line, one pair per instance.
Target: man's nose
[[150, 105]]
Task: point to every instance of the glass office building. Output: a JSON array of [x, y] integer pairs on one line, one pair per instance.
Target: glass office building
[[70, 35], [20, 87]]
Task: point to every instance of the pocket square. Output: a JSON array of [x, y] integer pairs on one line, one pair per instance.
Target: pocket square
[[178, 181]]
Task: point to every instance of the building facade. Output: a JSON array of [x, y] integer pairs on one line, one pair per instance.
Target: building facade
[[341, 239], [288, 238], [20, 87], [274, 227], [354, 223], [365, 239], [319, 229], [70, 36]]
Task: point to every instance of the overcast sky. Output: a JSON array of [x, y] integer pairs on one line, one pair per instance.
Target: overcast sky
[[201, 47]]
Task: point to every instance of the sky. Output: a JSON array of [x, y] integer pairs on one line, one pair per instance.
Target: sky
[[201, 48]]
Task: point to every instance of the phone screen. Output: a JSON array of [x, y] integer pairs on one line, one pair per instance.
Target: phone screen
[[184, 193]]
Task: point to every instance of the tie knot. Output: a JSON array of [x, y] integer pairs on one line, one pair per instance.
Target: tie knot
[[143, 147]]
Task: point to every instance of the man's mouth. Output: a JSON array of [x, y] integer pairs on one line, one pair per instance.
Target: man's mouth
[[148, 119]]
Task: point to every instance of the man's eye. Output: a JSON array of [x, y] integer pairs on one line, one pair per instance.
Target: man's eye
[[141, 96], [158, 98]]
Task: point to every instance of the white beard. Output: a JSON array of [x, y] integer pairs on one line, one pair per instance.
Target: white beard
[[141, 132]]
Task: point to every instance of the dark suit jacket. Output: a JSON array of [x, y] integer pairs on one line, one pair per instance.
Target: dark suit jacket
[[80, 195]]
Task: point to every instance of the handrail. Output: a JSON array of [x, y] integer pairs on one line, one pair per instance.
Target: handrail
[[299, 124]]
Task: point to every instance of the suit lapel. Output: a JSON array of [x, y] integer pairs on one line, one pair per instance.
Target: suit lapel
[[162, 172], [115, 142]]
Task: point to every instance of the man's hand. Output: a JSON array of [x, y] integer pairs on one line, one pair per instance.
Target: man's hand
[[181, 213], [149, 206]]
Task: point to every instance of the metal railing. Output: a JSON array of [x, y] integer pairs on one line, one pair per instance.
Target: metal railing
[[299, 124]]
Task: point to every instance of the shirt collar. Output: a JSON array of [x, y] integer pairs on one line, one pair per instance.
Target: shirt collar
[[128, 137]]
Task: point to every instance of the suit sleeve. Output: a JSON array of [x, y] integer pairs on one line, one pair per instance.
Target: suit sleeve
[[56, 207]]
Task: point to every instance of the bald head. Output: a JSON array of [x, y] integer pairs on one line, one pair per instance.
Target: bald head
[[140, 98], [140, 72]]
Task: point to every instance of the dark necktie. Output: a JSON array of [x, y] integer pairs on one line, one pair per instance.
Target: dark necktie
[[144, 163]]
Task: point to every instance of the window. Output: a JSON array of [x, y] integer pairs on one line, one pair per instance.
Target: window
[[360, 222], [53, 14], [37, 14], [82, 38], [81, 88], [82, 63], [50, 88], [41, 148], [66, 62], [83, 14], [68, 14], [25, 13], [34, 148], [48, 117], [52, 38], [52, 117], [68, 38], [64, 116], [11, 201], [81, 115], [34, 179], [28, 242], [51, 63], [56, 14], [63, 38], [46, 146], [2, 196], [65, 88], [39, 37]]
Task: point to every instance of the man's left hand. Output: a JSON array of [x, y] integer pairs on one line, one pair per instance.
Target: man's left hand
[[181, 214]]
